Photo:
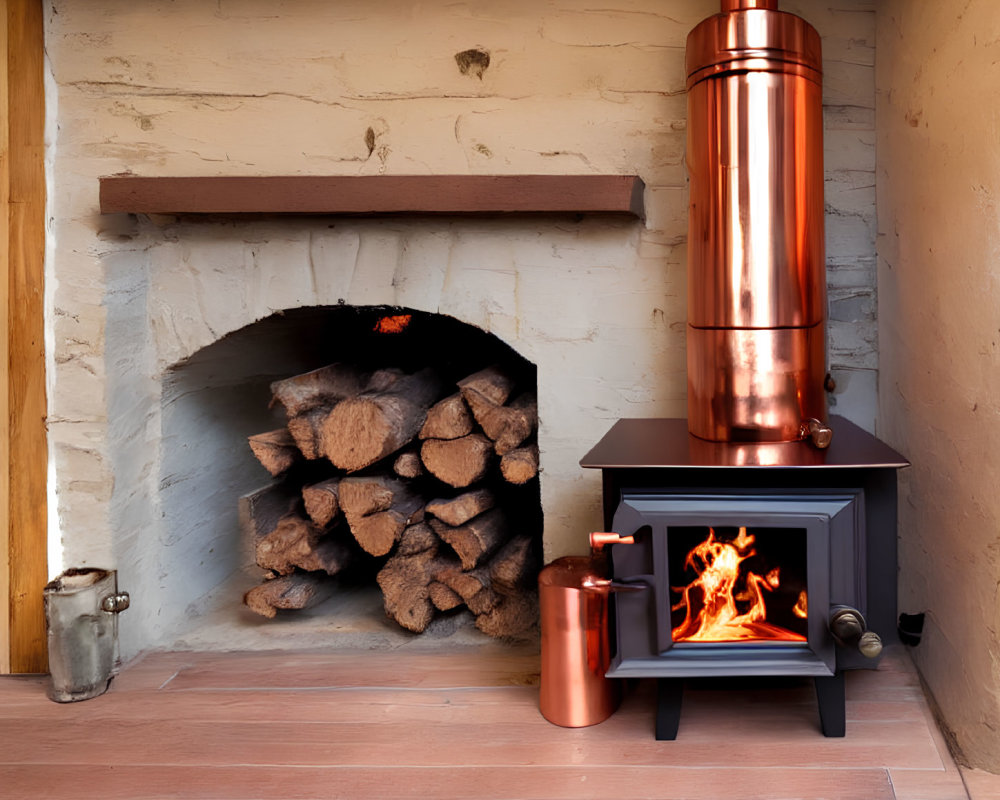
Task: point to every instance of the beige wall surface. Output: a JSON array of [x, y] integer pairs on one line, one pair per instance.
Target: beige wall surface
[[253, 87], [939, 342]]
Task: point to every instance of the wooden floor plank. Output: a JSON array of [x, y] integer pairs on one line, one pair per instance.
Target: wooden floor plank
[[621, 740], [981, 785], [485, 666], [484, 783], [922, 784]]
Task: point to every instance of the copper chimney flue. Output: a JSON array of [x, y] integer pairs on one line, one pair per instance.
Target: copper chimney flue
[[756, 264]]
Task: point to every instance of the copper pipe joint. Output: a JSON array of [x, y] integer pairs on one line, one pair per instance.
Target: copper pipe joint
[[736, 5]]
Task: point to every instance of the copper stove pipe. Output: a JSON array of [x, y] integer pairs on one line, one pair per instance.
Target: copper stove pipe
[[756, 262]]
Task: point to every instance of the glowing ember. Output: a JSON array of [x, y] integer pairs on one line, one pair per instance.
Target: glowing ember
[[714, 594], [393, 324]]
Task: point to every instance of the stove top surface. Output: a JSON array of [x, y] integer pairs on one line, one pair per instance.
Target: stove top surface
[[666, 443]]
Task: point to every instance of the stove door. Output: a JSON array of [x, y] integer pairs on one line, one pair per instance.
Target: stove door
[[741, 584]]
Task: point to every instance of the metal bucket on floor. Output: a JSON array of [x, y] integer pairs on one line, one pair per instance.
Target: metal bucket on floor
[[81, 612]]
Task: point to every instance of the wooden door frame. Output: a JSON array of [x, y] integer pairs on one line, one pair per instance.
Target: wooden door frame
[[23, 443]]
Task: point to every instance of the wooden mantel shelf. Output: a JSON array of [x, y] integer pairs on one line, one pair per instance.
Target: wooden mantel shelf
[[374, 195]]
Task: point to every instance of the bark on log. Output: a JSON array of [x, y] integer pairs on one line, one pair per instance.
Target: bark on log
[[508, 426], [447, 419], [300, 590], [364, 429], [275, 450], [322, 501], [408, 465], [305, 430], [297, 543], [492, 383], [521, 465], [324, 386], [477, 539], [459, 510], [458, 462], [514, 615], [404, 581]]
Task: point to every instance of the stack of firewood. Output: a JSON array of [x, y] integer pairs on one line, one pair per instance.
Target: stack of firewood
[[433, 485]]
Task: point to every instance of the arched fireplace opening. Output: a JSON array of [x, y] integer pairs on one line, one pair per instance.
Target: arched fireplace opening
[[426, 542]]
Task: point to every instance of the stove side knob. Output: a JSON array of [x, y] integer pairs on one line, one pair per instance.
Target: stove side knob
[[850, 630]]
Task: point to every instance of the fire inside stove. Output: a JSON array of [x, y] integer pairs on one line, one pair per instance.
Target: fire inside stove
[[738, 585]]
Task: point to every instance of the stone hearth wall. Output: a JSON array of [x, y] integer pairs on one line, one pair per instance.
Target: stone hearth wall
[[300, 87]]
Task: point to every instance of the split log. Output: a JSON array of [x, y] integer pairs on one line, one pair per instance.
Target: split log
[[473, 587], [515, 566], [322, 501], [300, 590], [447, 419], [443, 598], [520, 465], [405, 581], [458, 462], [275, 450], [324, 386], [508, 426], [364, 429], [296, 542], [408, 465], [305, 430], [492, 383], [377, 533], [367, 494], [260, 511], [477, 539], [514, 615], [459, 510], [417, 539], [378, 509]]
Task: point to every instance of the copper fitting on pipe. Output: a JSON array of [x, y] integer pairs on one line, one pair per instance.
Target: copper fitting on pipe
[[756, 261], [736, 5]]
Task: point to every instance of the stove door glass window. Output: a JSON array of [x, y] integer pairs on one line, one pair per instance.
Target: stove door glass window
[[738, 584]]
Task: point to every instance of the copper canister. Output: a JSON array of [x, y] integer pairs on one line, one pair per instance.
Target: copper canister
[[756, 264], [573, 601]]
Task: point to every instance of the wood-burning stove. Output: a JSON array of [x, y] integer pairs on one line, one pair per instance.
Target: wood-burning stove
[[756, 559]]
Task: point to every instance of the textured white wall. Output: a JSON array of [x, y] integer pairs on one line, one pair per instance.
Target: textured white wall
[[939, 309], [251, 87]]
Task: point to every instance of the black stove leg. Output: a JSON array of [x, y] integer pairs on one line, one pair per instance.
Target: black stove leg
[[669, 693], [832, 697]]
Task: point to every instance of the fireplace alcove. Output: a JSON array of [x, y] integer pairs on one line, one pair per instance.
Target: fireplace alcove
[[220, 395]]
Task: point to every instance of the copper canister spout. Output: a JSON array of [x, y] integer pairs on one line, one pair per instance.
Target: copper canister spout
[[756, 261]]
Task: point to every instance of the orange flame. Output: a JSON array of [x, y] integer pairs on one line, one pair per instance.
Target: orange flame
[[802, 606], [393, 324], [719, 618]]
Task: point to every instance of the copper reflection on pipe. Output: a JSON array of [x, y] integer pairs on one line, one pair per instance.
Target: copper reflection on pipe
[[756, 262]]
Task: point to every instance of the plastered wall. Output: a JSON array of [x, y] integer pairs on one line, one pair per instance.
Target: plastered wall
[[939, 342], [254, 87]]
